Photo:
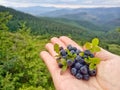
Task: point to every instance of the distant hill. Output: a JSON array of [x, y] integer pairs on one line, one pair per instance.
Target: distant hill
[[49, 27], [36, 10], [46, 26], [105, 18]]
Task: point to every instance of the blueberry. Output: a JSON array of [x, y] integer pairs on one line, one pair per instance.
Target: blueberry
[[78, 57], [82, 61], [84, 69], [65, 57], [92, 72], [61, 48], [69, 47], [85, 56], [86, 77], [78, 51], [87, 52], [72, 52], [63, 52], [69, 62], [73, 71], [74, 48], [79, 76], [78, 65], [60, 65], [91, 55]]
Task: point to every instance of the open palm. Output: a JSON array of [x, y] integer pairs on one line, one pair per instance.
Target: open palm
[[107, 71]]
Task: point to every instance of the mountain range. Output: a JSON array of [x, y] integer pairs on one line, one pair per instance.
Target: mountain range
[[104, 19]]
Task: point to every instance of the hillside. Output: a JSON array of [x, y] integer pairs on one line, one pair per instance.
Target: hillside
[[49, 27], [36, 10], [46, 26], [105, 18]]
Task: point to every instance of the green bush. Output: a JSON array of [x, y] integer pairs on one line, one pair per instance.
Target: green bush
[[20, 65]]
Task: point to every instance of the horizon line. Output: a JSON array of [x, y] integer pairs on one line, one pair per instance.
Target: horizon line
[[65, 6]]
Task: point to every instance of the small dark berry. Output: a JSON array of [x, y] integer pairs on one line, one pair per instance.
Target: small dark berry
[[74, 48], [69, 62], [84, 70], [69, 47], [60, 65], [63, 52], [86, 77], [65, 57], [91, 55], [79, 76], [72, 52], [61, 48], [73, 71], [85, 56], [78, 58], [78, 65], [87, 52], [82, 61], [78, 51], [92, 72]]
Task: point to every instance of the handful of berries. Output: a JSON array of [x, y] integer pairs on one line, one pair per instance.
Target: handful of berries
[[82, 64]]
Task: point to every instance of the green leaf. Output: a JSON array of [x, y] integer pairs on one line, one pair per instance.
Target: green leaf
[[88, 45], [81, 54], [74, 55], [92, 66], [56, 48], [95, 41], [69, 53], [63, 61], [95, 49], [87, 60], [95, 60], [64, 68]]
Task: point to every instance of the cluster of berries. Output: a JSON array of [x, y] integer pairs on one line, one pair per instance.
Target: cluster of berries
[[75, 61]]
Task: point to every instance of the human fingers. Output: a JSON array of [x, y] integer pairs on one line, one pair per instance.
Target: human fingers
[[49, 61], [67, 41], [55, 40]]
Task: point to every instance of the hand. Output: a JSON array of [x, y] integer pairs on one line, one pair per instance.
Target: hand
[[108, 70]]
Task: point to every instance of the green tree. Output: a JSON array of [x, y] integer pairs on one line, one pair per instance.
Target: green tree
[[4, 18]]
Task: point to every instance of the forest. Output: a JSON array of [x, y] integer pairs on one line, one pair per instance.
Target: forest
[[23, 36]]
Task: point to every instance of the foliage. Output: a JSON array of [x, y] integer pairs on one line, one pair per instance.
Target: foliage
[[4, 18], [20, 65], [93, 47]]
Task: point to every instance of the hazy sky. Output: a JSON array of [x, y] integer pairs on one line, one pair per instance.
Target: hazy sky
[[61, 3]]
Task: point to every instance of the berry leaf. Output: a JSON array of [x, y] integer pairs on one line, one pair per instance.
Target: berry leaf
[[88, 45], [95, 41], [92, 66], [56, 48], [64, 68], [95, 49], [63, 61], [87, 60], [81, 54], [95, 60]]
